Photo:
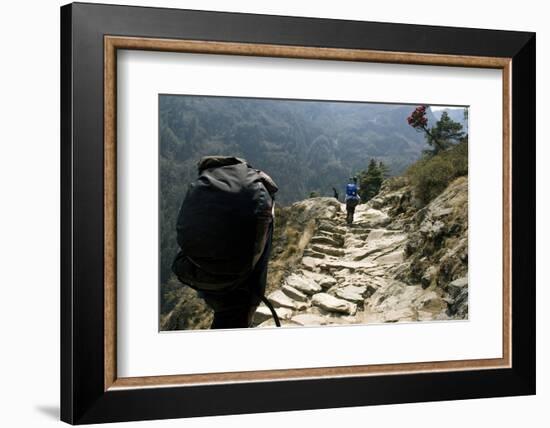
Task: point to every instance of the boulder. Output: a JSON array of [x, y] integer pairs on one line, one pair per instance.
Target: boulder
[[333, 304]]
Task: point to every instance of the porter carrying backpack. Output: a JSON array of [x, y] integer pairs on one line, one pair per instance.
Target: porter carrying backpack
[[223, 224]]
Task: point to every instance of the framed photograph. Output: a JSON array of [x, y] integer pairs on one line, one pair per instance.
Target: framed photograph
[[266, 213]]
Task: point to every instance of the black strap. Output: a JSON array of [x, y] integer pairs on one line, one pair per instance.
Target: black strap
[[273, 313]]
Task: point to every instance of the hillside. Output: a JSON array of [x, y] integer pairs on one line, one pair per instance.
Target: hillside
[[399, 261]]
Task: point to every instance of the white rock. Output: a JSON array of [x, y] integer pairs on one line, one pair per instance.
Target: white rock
[[304, 284], [324, 281], [263, 313], [333, 304], [396, 256], [281, 300], [404, 314], [310, 263], [293, 293], [309, 319], [284, 323], [460, 282], [351, 293]]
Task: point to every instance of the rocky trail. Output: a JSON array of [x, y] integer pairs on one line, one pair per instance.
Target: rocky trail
[[361, 273]]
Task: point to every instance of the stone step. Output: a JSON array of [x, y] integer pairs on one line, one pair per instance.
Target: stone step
[[333, 304], [332, 228], [305, 285], [263, 313], [293, 293], [310, 253], [311, 263], [281, 300], [359, 230], [310, 319], [340, 239], [351, 293], [325, 240], [331, 265], [394, 257], [325, 281], [284, 323], [331, 251]]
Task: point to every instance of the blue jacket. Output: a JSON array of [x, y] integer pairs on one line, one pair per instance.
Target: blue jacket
[[351, 191]]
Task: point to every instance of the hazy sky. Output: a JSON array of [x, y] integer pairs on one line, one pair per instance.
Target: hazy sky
[[436, 108]]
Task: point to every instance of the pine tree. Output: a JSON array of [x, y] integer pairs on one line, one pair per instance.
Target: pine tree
[[371, 180], [445, 132]]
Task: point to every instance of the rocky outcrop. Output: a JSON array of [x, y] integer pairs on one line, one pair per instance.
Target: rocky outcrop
[[398, 262]]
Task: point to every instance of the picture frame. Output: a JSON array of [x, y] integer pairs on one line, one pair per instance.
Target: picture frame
[[91, 391]]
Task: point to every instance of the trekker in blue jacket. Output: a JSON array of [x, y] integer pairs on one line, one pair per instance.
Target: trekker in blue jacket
[[352, 198]]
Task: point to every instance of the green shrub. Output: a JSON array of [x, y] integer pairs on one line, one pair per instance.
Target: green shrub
[[432, 174]]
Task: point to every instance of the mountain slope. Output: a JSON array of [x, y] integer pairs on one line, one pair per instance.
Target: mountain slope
[[398, 262]]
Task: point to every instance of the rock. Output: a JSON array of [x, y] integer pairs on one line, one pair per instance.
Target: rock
[[431, 302], [399, 315], [303, 284], [376, 234], [372, 217], [324, 281], [351, 293], [284, 323], [309, 319], [281, 300], [263, 313], [459, 308], [428, 276], [293, 293], [332, 304], [394, 257], [325, 240], [441, 212], [310, 263], [330, 265], [310, 253], [456, 286], [323, 249], [330, 227]]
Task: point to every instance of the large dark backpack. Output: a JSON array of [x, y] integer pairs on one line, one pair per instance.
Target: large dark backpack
[[223, 224]]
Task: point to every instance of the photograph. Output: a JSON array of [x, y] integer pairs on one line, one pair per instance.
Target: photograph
[[298, 213]]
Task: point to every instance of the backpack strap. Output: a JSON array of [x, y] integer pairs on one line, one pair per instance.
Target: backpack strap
[[272, 310]]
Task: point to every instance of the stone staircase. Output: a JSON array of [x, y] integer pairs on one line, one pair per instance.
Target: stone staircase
[[347, 276]]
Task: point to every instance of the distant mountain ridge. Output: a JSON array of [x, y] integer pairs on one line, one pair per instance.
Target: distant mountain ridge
[[306, 146]]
